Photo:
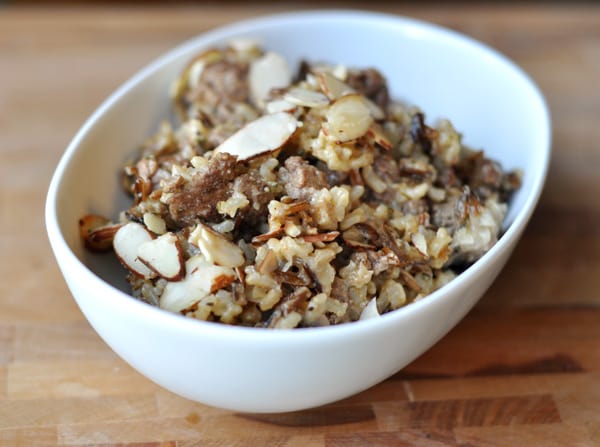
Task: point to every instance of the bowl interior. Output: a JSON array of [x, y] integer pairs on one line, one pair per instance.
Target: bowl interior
[[486, 97]]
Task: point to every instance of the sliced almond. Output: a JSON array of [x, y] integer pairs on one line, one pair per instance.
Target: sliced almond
[[348, 118], [194, 70], [376, 111], [361, 236], [97, 232], [210, 56], [163, 255], [279, 105], [409, 280], [90, 222], [126, 243], [373, 181], [155, 223], [332, 86], [262, 238], [221, 281], [245, 44], [266, 73], [377, 136], [305, 98], [420, 243], [321, 237], [216, 248], [268, 263], [370, 310], [101, 239], [200, 279], [264, 135]]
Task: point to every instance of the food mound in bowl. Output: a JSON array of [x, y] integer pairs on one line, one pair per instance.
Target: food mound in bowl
[[289, 200]]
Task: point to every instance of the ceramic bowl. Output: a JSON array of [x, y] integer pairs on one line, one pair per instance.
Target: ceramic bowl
[[489, 99]]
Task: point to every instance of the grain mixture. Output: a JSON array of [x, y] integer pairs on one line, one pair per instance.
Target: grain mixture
[[294, 200]]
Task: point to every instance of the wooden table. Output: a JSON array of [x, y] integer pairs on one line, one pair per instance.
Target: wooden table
[[522, 369]]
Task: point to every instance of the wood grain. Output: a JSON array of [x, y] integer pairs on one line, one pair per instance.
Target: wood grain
[[522, 369]]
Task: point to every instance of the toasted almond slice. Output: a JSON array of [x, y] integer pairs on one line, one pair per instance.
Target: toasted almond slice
[[376, 111], [348, 118], [155, 223], [221, 281], [195, 72], [321, 237], [97, 232], [210, 56], [264, 135], [409, 280], [332, 86], [268, 263], [195, 69], [101, 239], [216, 248], [245, 44], [305, 98], [420, 243], [192, 73], [201, 278], [266, 73], [262, 238], [163, 255], [126, 243], [90, 222], [373, 181], [370, 310], [377, 136], [279, 105]]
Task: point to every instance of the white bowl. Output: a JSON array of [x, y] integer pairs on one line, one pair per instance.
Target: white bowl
[[491, 101]]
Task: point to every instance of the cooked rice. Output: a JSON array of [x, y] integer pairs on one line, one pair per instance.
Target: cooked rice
[[363, 201]]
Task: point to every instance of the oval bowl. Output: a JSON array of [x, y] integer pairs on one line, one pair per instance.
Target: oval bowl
[[488, 98]]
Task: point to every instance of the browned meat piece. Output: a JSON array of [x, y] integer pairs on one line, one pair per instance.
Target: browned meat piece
[[333, 177], [198, 198], [483, 175], [301, 179], [377, 260], [415, 207], [421, 133], [258, 193], [360, 258], [487, 173], [372, 84], [221, 82], [339, 290], [446, 178], [446, 214], [382, 260], [363, 236], [454, 212], [303, 70], [511, 181], [386, 167], [415, 170], [295, 301]]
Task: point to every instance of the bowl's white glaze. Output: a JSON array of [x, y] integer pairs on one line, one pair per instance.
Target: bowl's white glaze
[[490, 100]]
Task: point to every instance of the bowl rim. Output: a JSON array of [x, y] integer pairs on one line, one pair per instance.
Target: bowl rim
[[129, 304]]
